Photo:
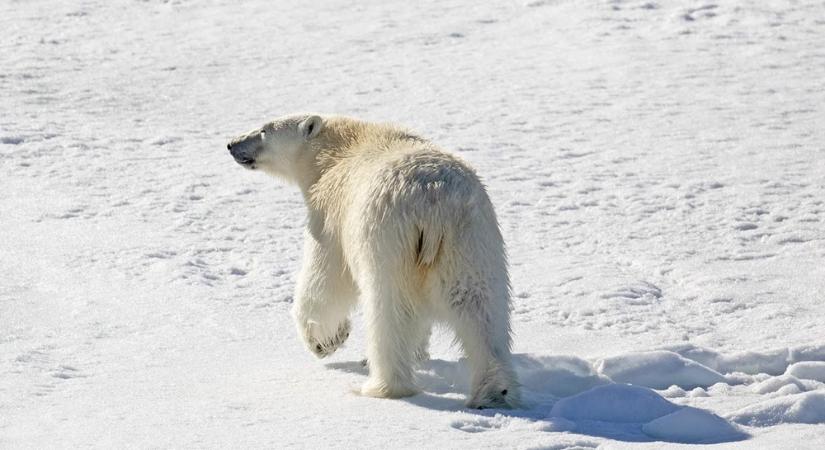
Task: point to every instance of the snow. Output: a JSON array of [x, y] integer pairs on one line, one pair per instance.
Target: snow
[[658, 370], [775, 384], [675, 392], [807, 370], [694, 426], [557, 376], [625, 407], [808, 407], [657, 167], [774, 362], [614, 403]]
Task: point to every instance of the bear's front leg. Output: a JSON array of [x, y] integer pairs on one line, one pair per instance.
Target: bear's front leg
[[321, 342], [324, 297]]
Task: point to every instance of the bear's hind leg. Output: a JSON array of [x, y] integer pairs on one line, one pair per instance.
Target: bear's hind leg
[[483, 330], [393, 335], [422, 337]]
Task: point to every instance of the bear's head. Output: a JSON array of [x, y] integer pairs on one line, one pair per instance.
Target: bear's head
[[280, 147]]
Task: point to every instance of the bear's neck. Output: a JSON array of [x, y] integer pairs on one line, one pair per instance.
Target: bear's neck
[[318, 181]]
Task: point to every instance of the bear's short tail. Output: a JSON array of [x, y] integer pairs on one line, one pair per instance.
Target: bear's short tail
[[430, 240]]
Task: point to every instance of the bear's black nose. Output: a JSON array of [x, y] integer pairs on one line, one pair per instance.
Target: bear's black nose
[[229, 147]]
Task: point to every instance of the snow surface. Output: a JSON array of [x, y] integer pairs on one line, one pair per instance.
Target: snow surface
[[808, 370], [657, 369], [614, 403], [694, 426], [623, 409], [801, 408], [658, 169]]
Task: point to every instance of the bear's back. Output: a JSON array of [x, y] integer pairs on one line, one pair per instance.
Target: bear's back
[[388, 171]]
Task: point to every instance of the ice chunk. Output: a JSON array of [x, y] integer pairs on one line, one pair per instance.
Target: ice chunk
[[614, 403], [808, 370], [694, 426], [808, 407], [773, 362], [774, 384], [704, 356], [673, 392], [659, 370], [698, 392], [560, 376], [807, 353]]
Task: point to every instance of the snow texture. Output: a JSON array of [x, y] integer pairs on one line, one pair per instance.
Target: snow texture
[[558, 376], [657, 168], [808, 370], [614, 403], [807, 407], [624, 408], [692, 425], [658, 370]]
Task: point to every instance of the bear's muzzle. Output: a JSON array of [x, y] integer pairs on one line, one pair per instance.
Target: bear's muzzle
[[245, 148]]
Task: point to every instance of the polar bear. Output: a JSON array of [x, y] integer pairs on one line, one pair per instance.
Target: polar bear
[[402, 227]]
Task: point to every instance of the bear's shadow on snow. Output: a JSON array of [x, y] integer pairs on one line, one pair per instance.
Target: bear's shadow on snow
[[545, 380]]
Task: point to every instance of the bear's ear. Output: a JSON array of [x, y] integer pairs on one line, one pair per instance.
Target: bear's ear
[[311, 126]]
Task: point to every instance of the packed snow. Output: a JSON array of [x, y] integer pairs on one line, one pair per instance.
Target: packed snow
[[622, 410], [614, 403], [658, 369], [657, 167], [693, 426], [808, 370], [799, 408]]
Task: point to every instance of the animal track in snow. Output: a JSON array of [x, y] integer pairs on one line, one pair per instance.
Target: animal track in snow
[[639, 293], [478, 424], [11, 140], [65, 372]]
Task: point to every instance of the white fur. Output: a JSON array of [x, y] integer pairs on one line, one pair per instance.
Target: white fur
[[406, 229]]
